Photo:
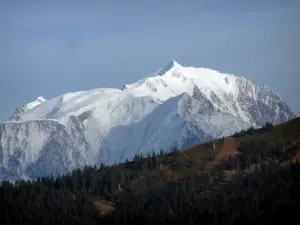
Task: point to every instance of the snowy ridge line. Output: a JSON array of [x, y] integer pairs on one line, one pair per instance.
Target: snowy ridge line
[[176, 104]]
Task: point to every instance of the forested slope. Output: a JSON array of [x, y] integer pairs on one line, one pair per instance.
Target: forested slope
[[251, 177]]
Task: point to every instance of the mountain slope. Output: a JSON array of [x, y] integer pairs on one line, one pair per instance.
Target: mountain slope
[[235, 95], [175, 106]]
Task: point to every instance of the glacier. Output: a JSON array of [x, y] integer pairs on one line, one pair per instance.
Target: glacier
[[175, 106]]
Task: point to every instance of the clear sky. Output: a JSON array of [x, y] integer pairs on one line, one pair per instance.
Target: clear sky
[[47, 50]]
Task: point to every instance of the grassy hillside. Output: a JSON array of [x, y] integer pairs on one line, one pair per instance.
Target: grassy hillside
[[212, 157]]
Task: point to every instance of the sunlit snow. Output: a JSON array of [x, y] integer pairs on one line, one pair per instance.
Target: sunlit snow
[[176, 105]]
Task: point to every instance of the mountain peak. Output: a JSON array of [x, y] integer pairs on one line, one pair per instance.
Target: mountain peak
[[35, 103], [171, 64], [40, 99], [28, 106], [184, 105]]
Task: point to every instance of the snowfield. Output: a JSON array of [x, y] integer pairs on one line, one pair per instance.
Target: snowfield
[[177, 105]]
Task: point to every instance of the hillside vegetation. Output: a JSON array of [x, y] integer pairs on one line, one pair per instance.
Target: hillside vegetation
[[250, 177]]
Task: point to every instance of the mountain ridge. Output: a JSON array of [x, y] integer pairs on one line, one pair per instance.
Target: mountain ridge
[[182, 106]]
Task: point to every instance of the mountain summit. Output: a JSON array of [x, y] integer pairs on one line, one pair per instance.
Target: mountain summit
[[178, 105], [171, 64], [26, 107]]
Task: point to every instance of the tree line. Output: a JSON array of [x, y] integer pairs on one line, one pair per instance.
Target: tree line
[[260, 191]]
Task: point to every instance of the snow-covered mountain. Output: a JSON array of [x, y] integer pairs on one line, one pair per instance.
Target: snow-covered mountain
[[177, 105], [20, 110]]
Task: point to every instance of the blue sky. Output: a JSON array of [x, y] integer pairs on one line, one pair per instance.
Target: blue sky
[[49, 49]]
